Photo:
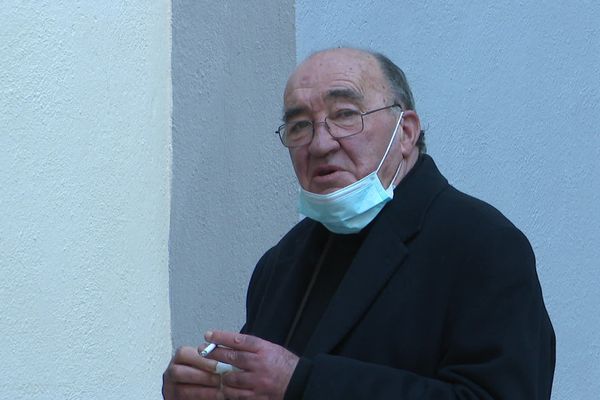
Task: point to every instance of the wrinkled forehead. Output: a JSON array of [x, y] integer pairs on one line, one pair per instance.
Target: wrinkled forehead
[[336, 69]]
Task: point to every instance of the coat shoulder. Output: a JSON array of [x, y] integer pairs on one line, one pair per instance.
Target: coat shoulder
[[462, 213], [473, 234]]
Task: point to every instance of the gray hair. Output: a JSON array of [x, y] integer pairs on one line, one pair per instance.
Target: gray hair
[[400, 89]]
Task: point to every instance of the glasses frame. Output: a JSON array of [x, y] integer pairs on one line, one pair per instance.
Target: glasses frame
[[281, 128]]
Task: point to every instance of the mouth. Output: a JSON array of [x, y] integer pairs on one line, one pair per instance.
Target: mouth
[[324, 171]]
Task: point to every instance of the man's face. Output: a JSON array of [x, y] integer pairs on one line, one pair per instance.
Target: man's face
[[323, 85]]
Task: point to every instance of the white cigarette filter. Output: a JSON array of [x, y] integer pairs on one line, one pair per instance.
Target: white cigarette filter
[[223, 368]]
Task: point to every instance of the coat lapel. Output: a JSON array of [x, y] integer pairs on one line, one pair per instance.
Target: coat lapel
[[276, 314], [358, 289], [380, 256]]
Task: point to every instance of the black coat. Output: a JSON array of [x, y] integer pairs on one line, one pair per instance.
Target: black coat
[[442, 301]]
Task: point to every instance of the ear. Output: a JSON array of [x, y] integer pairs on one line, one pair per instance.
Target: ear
[[411, 129]]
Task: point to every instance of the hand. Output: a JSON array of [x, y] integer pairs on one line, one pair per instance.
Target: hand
[[190, 376], [266, 367]]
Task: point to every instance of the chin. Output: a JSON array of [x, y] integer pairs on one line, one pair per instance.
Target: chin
[[327, 191], [320, 189], [329, 183]]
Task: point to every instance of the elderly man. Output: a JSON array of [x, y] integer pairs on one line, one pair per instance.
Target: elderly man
[[396, 285]]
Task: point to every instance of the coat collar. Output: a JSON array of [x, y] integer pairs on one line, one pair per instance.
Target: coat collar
[[384, 248], [404, 215]]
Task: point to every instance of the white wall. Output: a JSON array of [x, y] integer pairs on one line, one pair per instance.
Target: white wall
[[510, 94], [84, 200]]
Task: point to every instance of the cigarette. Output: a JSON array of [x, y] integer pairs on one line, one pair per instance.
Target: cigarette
[[208, 349]]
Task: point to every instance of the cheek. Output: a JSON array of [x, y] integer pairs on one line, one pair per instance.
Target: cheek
[[366, 152], [362, 155], [299, 163]]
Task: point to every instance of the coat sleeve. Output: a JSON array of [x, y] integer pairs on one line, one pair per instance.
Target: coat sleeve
[[258, 281], [498, 340]]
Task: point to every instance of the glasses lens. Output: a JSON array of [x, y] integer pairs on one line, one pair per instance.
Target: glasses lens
[[296, 133], [345, 123]]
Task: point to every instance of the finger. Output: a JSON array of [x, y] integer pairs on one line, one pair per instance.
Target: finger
[[235, 393], [186, 391], [240, 359], [234, 340], [179, 373], [239, 380], [189, 356]]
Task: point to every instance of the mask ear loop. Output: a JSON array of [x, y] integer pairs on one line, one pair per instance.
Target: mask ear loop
[[389, 146], [395, 175]]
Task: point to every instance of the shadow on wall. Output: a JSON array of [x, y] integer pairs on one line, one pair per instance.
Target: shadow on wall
[[227, 85]]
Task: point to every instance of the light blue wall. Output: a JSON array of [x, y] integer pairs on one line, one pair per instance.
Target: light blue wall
[[510, 95], [85, 107]]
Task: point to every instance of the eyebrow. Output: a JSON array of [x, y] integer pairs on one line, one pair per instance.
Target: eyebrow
[[347, 94], [333, 94], [293, 112]]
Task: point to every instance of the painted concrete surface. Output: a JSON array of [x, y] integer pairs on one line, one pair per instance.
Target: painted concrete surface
[[84, 199], [233, 189], [510, 96]]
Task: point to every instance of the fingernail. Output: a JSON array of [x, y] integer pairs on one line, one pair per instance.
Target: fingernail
[[208, 335]]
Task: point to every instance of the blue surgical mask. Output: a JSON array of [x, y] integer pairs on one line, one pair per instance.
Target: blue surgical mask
[[350, 209]]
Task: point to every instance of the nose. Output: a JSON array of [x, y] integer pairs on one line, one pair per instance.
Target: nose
[[322, 142]]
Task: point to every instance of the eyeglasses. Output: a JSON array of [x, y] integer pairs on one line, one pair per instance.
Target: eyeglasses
[[340, 125]]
